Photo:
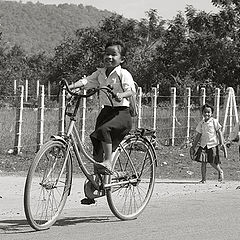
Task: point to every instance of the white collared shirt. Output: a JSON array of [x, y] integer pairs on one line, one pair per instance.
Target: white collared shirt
[[99, 79], [208, 130]]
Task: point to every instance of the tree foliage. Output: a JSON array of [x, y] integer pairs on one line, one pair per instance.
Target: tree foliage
[[194, 49]]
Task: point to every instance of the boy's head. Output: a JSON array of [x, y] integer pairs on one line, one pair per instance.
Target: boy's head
[[114, 54], [119, 44]]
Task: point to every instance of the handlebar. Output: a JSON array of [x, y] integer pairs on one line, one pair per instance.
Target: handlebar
[[92, 91]]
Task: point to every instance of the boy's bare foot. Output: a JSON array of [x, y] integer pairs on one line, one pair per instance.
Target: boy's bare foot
[[103, 168], [202, 181]]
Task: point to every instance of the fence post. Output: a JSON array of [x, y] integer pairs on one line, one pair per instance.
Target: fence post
[[188, 113], [15, 87], [173, 103], [139, 120], [37, 90], [83, 119], [217, 103], [202, 96], [40, 119], [26, 90], [154, 105], [18, 124], [61, 112]]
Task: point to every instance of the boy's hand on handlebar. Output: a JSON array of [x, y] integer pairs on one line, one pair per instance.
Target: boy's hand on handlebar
[[118, 97], [76, 90]]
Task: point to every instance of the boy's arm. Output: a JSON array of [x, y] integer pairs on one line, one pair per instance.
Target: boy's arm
[[78, 84], [125, 94]]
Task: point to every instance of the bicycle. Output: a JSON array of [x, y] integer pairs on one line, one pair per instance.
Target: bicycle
[[49, 179]]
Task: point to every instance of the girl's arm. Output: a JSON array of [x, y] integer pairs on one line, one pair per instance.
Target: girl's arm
[[220, 137], [196, 140]]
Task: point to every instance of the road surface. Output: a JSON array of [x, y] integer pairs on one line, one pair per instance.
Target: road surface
[[178, 210]]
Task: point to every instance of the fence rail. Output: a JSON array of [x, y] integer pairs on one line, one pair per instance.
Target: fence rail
[[174, 123]]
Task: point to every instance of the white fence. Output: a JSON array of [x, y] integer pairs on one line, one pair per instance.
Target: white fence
[[179, 120]]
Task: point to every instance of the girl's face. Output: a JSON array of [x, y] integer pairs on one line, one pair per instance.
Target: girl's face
[[207, 113], [112, 57]]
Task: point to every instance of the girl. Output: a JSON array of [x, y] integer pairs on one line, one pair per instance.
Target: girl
[[210, 136], [114, 122]]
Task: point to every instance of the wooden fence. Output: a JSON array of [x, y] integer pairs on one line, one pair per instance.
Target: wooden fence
[[230, 116]]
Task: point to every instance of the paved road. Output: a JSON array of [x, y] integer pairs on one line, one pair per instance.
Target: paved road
[[177, 211]]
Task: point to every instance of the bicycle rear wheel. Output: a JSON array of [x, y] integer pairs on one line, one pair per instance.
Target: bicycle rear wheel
[[47, 185], [133, 179]]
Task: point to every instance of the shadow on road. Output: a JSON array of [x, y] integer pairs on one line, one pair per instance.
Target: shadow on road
[[14, 226], [76, 220], [22, 226]]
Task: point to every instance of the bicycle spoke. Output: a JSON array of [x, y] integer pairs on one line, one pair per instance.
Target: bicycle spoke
[[137, 162], [46, 188]]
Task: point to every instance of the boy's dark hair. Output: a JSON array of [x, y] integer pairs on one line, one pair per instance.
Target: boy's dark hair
[[122, 47], [207, 106]]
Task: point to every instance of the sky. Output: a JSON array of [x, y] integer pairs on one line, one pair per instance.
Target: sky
[[137, 8]]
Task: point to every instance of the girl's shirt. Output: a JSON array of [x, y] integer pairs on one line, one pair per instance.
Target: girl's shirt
[[120, 79], [209, 132]]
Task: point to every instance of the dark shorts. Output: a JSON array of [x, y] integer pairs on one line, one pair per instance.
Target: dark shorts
[[112, 125], [208, 155]]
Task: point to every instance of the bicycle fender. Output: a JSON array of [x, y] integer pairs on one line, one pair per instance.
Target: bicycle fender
[[58, 138]]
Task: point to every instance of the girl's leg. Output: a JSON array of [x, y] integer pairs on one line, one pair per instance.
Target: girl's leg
[[203, 171], [220, 171], [239, 151]]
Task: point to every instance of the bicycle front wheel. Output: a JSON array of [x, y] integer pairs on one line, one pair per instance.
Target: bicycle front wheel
[[47, 185], [133, 180]]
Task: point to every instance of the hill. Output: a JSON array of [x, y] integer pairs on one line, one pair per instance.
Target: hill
[[38, 27]]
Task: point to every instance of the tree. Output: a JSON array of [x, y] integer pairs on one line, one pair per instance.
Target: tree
[[81, 55]]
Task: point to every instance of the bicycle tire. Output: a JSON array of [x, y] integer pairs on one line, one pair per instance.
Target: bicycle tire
[[127, 201], [44, 196]]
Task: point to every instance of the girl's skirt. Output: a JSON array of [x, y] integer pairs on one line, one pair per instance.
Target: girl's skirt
[[208, 155]]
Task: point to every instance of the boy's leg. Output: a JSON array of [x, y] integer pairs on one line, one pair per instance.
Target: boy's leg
[[107, 161], [106, 166], [107, 148]]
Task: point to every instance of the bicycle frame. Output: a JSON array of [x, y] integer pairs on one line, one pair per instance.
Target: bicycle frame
[[72, 138]]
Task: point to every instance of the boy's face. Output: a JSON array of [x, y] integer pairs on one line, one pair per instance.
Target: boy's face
[[207, 113], [112, 57]]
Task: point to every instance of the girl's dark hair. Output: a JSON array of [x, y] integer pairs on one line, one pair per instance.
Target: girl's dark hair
[[207, 106], [120, 44]]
